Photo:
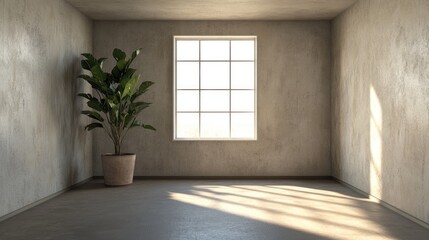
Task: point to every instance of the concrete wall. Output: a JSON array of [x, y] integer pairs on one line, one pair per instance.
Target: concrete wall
[[293, 101], [380, 101], [43, 148]]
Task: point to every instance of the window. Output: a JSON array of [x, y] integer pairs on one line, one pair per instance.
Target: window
[[215, 88]]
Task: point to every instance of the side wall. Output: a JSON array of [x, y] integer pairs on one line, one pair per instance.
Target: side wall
[[380, 101], [293, 100], [43, 148]]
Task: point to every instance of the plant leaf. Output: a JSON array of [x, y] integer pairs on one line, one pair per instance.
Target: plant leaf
[[101, 61], [133, 56], [116, 73], [86, 95], [121, 64], [129, 73], [95, 104], [128, 119], [91, 126], [94, 115], [85, 64], [97, 73], [139, 124], [90, 59], [126, 78], [129, 87], [87, 55], [147, 126], [95, 83], [136, 107], [142, 89], [118, 54]]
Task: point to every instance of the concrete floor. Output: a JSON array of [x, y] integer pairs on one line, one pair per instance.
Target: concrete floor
[[212, 209]]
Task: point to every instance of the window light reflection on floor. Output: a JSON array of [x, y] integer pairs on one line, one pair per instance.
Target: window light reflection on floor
[[308, 210]]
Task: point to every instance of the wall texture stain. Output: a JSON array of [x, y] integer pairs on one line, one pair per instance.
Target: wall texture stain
[[293, 100], [380, 101], [43, 148]]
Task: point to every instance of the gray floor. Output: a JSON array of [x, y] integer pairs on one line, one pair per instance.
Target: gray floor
[[211, 209]]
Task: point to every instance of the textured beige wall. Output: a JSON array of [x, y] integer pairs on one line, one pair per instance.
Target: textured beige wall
[[380, 101], [293, 101], [43, 148]]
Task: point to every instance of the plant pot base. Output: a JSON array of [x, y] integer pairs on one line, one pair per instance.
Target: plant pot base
[[113, 186], [118, 169]]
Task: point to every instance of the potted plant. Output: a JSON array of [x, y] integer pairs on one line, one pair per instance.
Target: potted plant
[[114, 108]]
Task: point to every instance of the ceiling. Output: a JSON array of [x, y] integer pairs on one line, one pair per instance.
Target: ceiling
[[211, 9]]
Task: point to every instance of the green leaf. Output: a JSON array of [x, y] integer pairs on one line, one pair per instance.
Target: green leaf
[[138, 106], [85, 64], [94, 115], [87, 55], [118, 54], [126, 78], [128, 119], [112, 103], [142, 89], [146, 126], [90, 59], [99, 85], [129, 73], [101, 61], [129, 87], [139, 124], [145, 85], [116, 73], [121, 64], [95, 104], [86, 95], [110, 79], [91, 126], [97, 73], [134, 55], [88, 78]]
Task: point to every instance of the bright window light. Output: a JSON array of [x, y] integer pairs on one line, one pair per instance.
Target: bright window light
[[215, 88]]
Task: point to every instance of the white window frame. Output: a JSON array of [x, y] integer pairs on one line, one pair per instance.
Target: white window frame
[[199, 38]]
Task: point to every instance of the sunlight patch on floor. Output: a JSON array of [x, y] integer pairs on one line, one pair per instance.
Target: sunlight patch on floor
[[303, 209]]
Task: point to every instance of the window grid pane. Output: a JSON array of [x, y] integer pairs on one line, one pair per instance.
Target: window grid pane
[[212, 120]]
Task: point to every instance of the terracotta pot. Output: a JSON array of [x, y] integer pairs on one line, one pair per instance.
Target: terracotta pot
[[118, 169]]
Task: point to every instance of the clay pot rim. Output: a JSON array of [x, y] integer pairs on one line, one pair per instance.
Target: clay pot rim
[[117, 155]]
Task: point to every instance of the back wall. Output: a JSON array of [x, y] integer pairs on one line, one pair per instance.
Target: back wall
[[293, 100]]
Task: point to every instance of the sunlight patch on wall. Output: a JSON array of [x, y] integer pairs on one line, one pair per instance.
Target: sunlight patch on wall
[[376, 122]]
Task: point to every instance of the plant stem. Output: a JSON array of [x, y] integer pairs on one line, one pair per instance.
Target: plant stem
[[117, 148]]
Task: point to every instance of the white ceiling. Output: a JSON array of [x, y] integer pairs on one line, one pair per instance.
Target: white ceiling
[[211, 9]]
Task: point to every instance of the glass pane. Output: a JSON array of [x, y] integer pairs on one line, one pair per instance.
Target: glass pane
[[187, 50], [214, 100], [242, 125], [187, 75], [214, 75], [187, 100], [242, 75], [214, 50], [214, 125], [242, 100], [187, 125], [242, 50]]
